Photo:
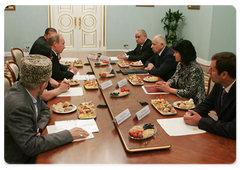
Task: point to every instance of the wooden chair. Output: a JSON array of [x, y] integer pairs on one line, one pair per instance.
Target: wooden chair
[[210, 85], [14, 70], [7, 83], [17, 54]]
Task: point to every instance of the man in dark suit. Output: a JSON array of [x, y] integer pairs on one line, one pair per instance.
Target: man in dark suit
[[162, 63], [222, 99], [26, 115], [59, 71], [143, 49], [40, 45]]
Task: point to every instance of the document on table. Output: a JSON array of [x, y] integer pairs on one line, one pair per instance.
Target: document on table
[[84, 77], [152, 90], [177, 127], [114, 59], [69, 59], [75, 91], [89, 125]]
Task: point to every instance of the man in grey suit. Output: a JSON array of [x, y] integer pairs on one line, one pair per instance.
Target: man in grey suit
[[26, 115]]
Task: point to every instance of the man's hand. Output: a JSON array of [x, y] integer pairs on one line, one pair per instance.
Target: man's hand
[[191, 118], [122, 56], [64, 86], [73, 69], [78, 133], [150, 66]]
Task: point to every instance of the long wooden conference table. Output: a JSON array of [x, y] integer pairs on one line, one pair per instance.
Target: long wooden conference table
[[112, 144]]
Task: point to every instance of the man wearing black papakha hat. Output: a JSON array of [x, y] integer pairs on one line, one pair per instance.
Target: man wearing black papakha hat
[[26, 115]]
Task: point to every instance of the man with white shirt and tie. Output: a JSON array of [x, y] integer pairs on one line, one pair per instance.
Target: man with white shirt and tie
[[143, 49], [162, 63], [222, 98]]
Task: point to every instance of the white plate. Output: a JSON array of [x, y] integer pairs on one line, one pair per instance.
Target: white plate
[[144, 79], [175, 104], [74, 108]]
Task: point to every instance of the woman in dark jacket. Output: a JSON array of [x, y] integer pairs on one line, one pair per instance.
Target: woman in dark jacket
[[188, 80]]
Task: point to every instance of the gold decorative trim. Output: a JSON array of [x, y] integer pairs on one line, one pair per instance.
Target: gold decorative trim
[[70, 35], [94, 36], [93, 19], [49, 16], [65, 16], [104, 25]]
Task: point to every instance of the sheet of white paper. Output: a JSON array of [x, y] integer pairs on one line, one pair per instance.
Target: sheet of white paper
[[75, 91], [177, 127], [84, 77], [69, 59], [114, 59], [53, 129], [88, 125]]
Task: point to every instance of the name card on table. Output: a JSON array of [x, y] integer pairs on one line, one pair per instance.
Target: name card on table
[[92, 56], [110, 69], [104, 58], [122, 83], [122, 116], [106, 84], [142, 113]]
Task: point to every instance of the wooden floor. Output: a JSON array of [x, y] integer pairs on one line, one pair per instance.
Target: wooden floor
[[110, 53]]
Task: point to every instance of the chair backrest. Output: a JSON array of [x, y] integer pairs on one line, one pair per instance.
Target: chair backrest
[[210, 85], [7, 84], [14, 70], [17, 54]]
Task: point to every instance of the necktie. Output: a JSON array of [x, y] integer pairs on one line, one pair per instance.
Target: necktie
[[223, 96]]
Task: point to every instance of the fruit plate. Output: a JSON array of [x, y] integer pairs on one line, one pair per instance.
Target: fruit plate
[[177, 103], [90, 87], [58, 108], [148, 132], [87, 110], [101, 64], [118, 93], [91, 84], [123, 64], [136, 83], [106, 75], [78, 63], [161, 112], [135, 64]]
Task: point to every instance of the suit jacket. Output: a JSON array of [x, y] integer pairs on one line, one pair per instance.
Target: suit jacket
[[40, 47], [21, 145], [59, 71], [226, 124], [144, 54], [165, 65]]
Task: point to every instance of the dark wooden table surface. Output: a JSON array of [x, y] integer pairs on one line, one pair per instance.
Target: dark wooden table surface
[[111, 145]]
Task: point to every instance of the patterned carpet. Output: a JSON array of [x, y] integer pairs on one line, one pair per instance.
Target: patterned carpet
[[205, 68]]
